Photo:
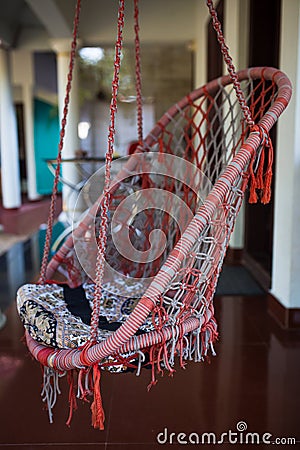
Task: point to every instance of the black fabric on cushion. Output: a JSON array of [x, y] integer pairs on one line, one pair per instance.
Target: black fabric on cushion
[[77, 303], [79, 306], [104, 324]]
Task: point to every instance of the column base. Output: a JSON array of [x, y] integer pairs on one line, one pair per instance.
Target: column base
[[234, 256], [287, 318]]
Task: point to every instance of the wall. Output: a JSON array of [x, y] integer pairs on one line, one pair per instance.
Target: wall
[[45, 72], [166, 78], [286, 247], [46, 135]]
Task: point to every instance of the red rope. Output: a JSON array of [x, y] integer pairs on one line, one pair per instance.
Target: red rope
[[229, 63], [104, 206], [139, 99], [49, 232]]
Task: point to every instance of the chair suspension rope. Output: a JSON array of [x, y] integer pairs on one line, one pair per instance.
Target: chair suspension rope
[[104, 203], [139, 98], [229, 63], [49, 232]]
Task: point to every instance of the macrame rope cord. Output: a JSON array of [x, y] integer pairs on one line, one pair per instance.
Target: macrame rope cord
[[139, 99], [229, 63], [50, 222], [104, 204]]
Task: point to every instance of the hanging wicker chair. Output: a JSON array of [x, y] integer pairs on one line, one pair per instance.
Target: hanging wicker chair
[[85, 323]]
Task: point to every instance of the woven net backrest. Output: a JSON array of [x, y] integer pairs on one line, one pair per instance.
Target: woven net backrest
[[205, 129]]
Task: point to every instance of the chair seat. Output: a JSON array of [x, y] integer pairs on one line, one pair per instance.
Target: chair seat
[[47, 318]]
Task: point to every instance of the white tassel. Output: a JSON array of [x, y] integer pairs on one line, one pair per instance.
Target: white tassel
[[50, 389], [206, 343], [191, 348], [198, 346], [212, 349], [186, 348], [141, 360], [174, 343]]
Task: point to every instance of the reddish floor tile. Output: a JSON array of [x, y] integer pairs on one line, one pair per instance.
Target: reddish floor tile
[[254, 378]]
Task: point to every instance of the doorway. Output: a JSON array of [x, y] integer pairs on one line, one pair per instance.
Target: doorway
[[263, 51]]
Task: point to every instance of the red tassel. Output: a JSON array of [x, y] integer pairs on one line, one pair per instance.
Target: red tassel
[[72, 397], [267, 188], [266, 197], [152, 363], [258, 182], [96, 407]]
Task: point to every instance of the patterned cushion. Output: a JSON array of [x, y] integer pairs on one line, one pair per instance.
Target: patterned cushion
[[45, 315]]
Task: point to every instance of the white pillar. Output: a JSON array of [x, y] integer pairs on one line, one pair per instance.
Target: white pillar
[[10, 172], [29, 142], [71, 140], [201, 18], [23, 76], [286, 245]]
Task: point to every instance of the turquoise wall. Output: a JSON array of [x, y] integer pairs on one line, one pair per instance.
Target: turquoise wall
[[46, 138]]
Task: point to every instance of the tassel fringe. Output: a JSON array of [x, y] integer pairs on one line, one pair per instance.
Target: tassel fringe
[[261, 181], [72, 396], [194, 346], [96, 407], [50, 389]]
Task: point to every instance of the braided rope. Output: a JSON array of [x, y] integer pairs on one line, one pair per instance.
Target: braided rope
[[105, 201], [139, 99], [229, 63], [42, 278]]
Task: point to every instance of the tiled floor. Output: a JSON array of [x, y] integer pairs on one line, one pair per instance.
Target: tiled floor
[[254, 378]]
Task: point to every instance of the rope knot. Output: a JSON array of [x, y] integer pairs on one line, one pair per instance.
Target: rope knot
[[159, 317]]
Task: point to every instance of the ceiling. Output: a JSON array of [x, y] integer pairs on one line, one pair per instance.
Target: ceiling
[[32, 24]]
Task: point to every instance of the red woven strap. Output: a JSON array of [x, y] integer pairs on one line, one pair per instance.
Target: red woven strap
[[138, 78], [49, 231], [229, 63], [104, 204]]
